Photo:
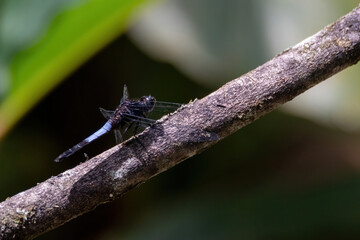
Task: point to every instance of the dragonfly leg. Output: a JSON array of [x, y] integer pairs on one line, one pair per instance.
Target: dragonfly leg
[[146, 120], [136, 128], [118, 136], [138, 140], [146, 123], [128, 127]]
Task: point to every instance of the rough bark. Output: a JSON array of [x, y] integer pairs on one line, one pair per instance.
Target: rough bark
[[189, 131]]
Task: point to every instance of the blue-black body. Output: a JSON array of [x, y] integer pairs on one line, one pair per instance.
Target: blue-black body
[[128, 113]]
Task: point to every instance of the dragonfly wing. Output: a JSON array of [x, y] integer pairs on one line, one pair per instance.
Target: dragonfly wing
[[125, 94], [106, 113], [160, 109], [118, 136], [166, 106]]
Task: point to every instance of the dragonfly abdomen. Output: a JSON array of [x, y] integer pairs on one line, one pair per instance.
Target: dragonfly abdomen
[[104, 129]]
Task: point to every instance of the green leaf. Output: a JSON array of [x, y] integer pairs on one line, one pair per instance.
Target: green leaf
[[75, 34]]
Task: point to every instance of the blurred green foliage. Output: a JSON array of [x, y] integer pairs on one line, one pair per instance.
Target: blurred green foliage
[[215, 41], [41, 42]]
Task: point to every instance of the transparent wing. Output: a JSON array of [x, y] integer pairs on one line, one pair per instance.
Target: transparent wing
[[148, 118], [106, 113], [162, 107], [125, 94], [166, 106], [144, 121]]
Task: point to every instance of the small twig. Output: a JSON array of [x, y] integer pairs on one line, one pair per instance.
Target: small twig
[[184, 134]]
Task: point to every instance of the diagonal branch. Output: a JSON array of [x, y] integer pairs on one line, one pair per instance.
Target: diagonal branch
[[190, 130]]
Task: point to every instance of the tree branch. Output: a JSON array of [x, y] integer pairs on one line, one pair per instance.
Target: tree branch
[[189, 131]]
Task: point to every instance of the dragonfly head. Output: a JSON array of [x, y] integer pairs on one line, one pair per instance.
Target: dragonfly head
[[148, 102]]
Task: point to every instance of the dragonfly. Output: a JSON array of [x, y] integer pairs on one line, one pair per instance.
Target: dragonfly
[[129, 113]]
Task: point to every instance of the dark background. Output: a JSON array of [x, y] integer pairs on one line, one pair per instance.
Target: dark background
[[279, 177]]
